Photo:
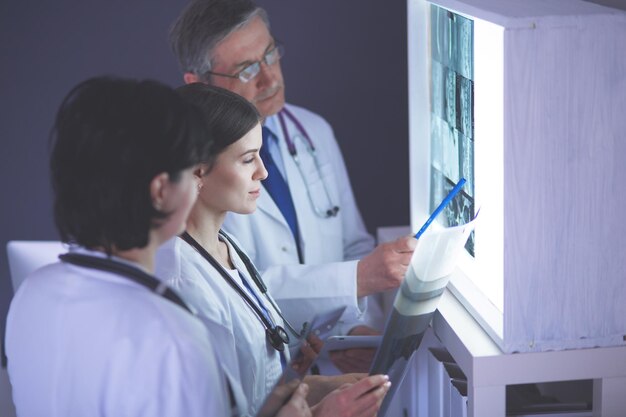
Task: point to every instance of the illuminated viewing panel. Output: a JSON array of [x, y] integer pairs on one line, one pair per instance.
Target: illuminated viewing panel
[[519, 98], [452, 115], [466, 141]]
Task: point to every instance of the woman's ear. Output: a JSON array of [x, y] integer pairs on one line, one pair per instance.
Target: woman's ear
[[199, 173], [159, 187]]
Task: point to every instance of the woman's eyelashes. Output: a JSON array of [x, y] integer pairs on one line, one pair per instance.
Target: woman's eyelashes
[[251, 158]]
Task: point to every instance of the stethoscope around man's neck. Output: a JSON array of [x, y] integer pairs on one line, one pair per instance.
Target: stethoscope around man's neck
[[276, 335], [332, 209]]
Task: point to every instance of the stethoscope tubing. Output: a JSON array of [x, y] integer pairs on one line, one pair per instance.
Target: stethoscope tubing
[[258, 281], [129, 272], [276, 334], [291, 146], [142, 278]]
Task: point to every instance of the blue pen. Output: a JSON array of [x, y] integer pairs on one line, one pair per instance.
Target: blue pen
[[441, 206]]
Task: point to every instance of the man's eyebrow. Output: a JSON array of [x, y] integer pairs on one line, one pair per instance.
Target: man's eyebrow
[[244, 64]]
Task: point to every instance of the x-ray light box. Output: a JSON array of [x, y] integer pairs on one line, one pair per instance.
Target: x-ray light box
[[525, 100]]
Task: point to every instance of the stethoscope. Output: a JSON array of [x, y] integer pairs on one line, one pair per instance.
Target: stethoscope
[[276, 335], [142, 278], [127, 271], [333, 209]]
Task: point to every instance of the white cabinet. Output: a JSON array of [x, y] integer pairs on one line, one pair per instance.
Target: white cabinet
[[544, 296], [548, 169]]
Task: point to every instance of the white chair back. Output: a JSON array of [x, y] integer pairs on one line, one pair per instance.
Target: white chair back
[[27, 256]]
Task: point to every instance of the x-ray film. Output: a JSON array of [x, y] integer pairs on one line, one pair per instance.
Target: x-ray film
[[431, 265]]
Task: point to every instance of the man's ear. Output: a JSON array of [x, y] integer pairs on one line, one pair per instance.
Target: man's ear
[[190, 78], [159, 187]]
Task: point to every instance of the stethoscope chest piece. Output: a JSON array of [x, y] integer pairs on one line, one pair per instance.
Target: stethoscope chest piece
[[278, 337]]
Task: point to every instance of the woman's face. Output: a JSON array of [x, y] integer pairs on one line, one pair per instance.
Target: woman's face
[[234, 182]]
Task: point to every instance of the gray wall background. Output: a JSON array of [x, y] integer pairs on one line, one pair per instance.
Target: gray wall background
[[344, 59]]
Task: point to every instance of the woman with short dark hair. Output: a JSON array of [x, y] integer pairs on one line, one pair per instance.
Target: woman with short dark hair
[[96, 334]]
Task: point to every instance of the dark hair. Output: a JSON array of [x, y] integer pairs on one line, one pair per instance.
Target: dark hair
[[228, 116], [205, 23], [111, 138]]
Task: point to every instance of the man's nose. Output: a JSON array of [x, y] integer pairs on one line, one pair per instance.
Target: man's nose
[[267, 74]]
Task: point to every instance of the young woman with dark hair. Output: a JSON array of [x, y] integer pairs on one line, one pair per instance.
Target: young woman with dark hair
[[208, 269]]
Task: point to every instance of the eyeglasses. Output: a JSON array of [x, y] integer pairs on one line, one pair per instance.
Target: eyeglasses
[[249, 72]]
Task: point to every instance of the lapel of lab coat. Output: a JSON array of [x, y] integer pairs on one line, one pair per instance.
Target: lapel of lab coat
[[268, 206]]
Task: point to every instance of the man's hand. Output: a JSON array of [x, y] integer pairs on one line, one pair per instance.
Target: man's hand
[[384, 268]]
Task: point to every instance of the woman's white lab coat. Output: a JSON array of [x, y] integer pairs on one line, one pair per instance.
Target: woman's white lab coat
[[82, 342], [242, 348], [330, 246]]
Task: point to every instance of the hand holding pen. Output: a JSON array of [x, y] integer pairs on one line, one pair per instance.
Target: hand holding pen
[[441, 206], [385, 266]]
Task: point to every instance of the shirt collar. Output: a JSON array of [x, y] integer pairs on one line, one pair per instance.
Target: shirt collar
[[271, 123]]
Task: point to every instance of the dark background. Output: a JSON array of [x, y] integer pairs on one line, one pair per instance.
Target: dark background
[[345, 60]]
